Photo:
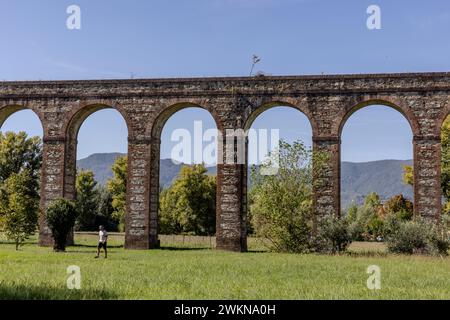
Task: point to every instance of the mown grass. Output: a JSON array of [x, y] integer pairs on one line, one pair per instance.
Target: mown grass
[[186, 271]]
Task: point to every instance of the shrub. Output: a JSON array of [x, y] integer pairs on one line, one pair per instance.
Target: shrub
[[438, 238], [391, 225], [333, 235], [281, 203], [60, 216], [366, 224], [417, 236]]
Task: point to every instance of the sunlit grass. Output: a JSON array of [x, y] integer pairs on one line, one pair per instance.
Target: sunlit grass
[[186, 271]]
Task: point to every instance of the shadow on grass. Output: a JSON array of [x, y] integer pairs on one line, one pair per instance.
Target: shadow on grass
[[183, 248], [21, 292], [257, 251], [95, 246]]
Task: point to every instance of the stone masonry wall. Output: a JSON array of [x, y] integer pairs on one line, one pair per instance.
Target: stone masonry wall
[[327, 101]]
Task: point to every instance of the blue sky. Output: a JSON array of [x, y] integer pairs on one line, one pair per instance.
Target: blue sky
[[170, 38]]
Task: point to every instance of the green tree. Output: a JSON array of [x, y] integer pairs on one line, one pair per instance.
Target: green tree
[[19, 208], [372, 200], [399, 206], [18, 152], [445, 164], [188, 206], [366, 223], [105, 209], [86, 201], [20, 163], [352, 213], [117, 186], [60, 216], [281, 203]]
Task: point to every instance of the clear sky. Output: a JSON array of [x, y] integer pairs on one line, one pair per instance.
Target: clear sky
[[146, 39]]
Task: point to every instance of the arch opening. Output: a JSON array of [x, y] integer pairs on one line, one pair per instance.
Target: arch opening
[[376, 150], [269, 125], [96, 167], [22, 132], [20, 118], [187, 168], [275, 122]]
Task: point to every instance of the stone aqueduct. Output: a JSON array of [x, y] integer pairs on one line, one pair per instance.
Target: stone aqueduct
[[327, 101]]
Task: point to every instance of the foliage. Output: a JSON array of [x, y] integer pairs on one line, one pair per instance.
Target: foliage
[[117, 186], [188, 206], [399, 206], [333, 235], [105, 209], [408, 175], [373, 220], [365, 222], [281, 203], [19, 153], [86, 201], [445, 159], [372, 200], [418, 236], [60, 216], [20, 163], [19, 207]]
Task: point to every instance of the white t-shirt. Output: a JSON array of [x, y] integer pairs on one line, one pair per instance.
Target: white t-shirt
[[103, 235]]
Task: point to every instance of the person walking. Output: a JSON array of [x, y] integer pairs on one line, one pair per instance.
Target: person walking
[[102, 241]]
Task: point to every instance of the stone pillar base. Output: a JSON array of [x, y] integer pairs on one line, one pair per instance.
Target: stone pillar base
[[141, 243], [234, 245]]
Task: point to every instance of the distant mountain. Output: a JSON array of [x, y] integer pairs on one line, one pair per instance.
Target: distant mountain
[[357, 179], [101, 163], [383, 177]]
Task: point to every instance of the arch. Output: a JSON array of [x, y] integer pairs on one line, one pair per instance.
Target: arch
[[156, 127], [279, 103], [378, 139], [8, 110], [405, 111], [440, 121], [70, 130], [78, 115]]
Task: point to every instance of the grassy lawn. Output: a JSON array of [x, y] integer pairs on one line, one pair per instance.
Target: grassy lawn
[[194, 271]]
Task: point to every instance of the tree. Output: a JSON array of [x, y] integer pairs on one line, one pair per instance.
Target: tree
[[400, 206], [60, 216], [86, 201], [117, 186], [20, 163], [105, 209], [372, 200], [188, 206], [19, 153], [445, 163], [19, 209], [408, 175], [281, 204], [366, 221]]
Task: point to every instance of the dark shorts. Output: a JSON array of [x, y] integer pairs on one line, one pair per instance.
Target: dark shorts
[[102, 245]]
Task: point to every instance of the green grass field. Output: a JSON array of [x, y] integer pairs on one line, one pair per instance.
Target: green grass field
[[191, 270]]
